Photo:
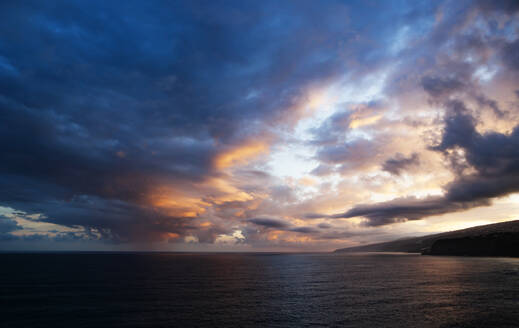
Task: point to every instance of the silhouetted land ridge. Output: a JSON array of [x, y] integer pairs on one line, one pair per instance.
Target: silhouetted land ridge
[[499, 239]]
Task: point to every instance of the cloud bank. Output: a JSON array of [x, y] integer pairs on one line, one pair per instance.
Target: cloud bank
[[253, 125]]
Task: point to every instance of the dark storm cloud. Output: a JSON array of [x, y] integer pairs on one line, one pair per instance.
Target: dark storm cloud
[[400, 163], [309, 230], [8, 225], [101, 102], [510, 55], [509, 6], [277, 224], [439, 89], [483, 101], [404, 209], [315, 216], [438, 86], [459, 127], [324, 225], [494, 157], [269, 223], [343, 235]]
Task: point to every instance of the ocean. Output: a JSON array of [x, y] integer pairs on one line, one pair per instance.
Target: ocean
[[257, 290]]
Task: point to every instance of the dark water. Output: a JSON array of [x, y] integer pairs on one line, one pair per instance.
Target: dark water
[[257, 290]]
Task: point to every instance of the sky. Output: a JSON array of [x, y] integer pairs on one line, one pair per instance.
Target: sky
[[254, 125]]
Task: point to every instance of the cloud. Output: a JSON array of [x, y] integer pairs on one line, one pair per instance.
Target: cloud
[[440, 89], [324, 225], [155, 122], [404, 209], [95, 124], [241, 154], [282, 225], [350, 155], [400, 163], [509, 6], [323, 170], [305, 230], [510, 55], [8, 225], [336, 128], [493, 156], [439, 86], [269, 223]]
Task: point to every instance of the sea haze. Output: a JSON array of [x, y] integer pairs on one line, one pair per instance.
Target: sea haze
[[257, 290]]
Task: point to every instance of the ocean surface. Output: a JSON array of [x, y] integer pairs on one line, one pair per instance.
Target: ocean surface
[[257, 290]]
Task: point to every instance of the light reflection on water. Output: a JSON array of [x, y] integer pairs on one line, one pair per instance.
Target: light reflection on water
[[258, 290]]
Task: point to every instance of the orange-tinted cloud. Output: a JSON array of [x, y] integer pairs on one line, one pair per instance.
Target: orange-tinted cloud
[[307, 181], [241, 154], [363, 121], [176, 203]]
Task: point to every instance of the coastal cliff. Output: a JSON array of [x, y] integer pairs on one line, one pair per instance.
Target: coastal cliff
[[499, 239], [495, 244]]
